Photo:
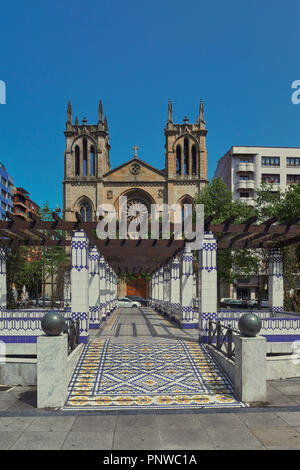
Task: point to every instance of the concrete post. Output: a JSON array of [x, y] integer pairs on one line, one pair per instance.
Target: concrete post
[[175, 289], [52, 379], [80, 282], [207, 278], [250, 369], [102, 287], [275, 282], [94, 292], [3, 286], [187, 319]]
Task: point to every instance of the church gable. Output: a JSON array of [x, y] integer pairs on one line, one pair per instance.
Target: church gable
[[135, 170]]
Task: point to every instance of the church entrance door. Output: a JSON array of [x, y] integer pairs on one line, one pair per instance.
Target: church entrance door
[[137, 287]]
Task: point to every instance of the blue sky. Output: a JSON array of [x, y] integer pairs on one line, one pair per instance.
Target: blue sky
[[241, 58]]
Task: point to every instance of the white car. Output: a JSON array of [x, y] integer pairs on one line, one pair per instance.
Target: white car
[[125, 302]]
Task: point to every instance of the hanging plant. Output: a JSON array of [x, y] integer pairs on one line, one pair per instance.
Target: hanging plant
[[129, 277]]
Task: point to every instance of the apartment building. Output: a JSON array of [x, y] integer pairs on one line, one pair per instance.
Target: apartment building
[[6, 194], [23, 204], [244, 169]]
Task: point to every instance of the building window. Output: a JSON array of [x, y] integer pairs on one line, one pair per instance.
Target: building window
[[292, 161], [86, 212], [84, 157], [186, 156], [244, 178], [194, 160], [270, 178], [293, 179], [244, 195], [92, 156], [270, 161], [178, 160], [77, 161]]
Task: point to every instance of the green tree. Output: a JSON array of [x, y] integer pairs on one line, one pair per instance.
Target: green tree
[[218, 202], [53, 261], [286, 206]]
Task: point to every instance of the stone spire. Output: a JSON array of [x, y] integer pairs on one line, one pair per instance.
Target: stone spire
[[100, 112], [105, 123], [170, 111], [69, 113], [201, 121]]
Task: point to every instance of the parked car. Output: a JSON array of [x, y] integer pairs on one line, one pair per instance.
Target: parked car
[[40, 302], [125, 302], [48, 303], [234, 303], [263, 304], [137, 298]]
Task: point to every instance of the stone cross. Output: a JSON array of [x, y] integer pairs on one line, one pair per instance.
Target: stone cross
[[135, 148]]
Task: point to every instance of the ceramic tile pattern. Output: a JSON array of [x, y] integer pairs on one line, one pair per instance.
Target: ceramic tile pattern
[[158, 372]]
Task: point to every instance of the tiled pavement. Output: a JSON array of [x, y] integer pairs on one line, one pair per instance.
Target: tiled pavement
[[141, 360], [276, 426]]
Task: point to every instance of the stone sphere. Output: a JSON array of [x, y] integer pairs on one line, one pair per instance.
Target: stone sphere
[[53, 323], [250, 325]]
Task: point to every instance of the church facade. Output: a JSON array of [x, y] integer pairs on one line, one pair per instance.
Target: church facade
[[90, 181]]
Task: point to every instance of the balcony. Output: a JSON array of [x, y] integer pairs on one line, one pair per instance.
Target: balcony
[[245, 184], [244, 166], [247, 200]]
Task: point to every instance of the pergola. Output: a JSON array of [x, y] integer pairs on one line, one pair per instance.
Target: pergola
[[96, 264], [136, 256]]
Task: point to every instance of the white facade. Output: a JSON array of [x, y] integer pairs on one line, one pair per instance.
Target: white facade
[[245, 168]]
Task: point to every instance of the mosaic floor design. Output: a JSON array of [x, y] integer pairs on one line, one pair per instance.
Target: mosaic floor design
[[156, 373]]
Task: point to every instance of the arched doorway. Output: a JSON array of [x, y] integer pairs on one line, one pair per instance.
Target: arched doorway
[[138, 207]]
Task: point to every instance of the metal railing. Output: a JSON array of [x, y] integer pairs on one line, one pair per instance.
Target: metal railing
[[72, 329], [220, 337]]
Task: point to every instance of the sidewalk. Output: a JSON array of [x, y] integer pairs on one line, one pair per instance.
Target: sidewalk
[[274, 426]]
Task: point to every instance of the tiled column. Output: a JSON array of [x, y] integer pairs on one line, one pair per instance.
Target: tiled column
[[80, 282], [150, 290], [153, 302], [3, 287], [107, 289], [155, 289], [187, 286], [114, 293], [102, 288], [275, 282], [160, 292], [166, 295], [110, 287], [94, 291], [175, 289], [208, 293]]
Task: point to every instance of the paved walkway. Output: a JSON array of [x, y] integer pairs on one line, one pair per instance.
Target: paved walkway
[[276, 426], [141, 360]]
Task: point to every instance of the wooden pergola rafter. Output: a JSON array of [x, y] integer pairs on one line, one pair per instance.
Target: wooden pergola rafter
[[143, 255]]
